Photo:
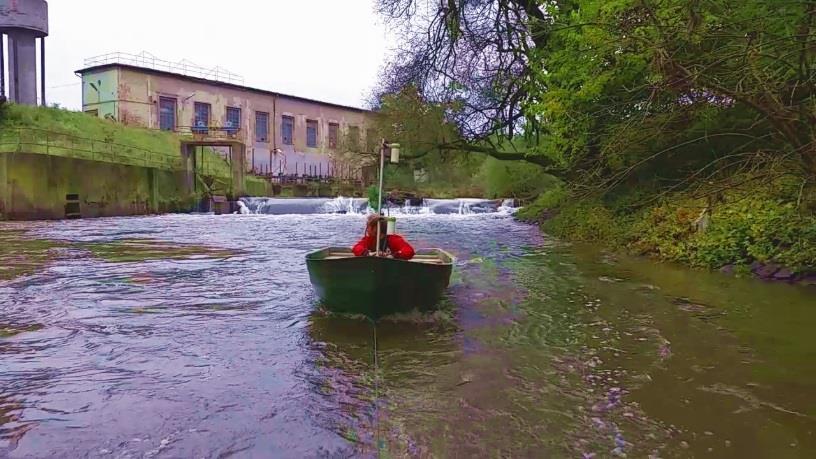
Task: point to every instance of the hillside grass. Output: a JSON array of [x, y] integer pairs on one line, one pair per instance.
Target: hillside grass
[[78, 131]]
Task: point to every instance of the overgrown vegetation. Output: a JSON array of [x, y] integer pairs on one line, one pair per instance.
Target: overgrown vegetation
[[765, 225], [67, 131], [84, 126], [680, 129]]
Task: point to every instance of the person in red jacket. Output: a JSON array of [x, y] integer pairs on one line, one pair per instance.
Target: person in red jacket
[[393, 244]]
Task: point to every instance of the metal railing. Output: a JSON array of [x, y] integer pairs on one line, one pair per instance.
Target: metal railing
[[149, 61], [210, 132], [44, 142], [327, 173]]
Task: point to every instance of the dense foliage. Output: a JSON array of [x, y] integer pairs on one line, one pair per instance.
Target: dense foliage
[[652, 113], [764, 225]]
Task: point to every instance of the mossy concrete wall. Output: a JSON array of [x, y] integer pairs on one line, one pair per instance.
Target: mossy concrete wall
[[258, 187], [35, 187]]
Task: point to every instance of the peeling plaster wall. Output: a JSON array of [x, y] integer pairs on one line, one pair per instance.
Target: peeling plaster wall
[[303, 111], [139, 93]]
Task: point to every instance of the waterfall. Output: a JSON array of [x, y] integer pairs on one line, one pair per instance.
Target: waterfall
[[359, 206]]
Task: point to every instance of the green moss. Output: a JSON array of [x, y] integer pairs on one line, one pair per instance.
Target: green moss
[[145, 249], [257, 186], [7, 330], [21, 256]]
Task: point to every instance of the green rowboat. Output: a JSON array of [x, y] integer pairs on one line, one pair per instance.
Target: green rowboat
[[378, 286]]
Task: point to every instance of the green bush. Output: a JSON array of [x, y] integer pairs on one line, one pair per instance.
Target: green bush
[[763, 225], [587, 221], [513, 179], [757, 229], [544, 206], [663, 231]]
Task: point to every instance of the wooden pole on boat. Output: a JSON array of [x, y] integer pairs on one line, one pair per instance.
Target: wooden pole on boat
[[379, 193]]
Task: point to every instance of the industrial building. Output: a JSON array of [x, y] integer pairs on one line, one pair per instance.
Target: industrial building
[[282, 134]]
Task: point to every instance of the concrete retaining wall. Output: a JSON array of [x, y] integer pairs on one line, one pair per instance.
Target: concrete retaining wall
[[36, 187]]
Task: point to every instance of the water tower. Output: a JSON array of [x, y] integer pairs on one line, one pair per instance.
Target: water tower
[[22, 22]]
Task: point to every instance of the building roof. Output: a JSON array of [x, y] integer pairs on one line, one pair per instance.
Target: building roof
[[217, 83]]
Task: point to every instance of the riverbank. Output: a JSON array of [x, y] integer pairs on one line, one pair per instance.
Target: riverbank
[[764, 229], [61, 164]]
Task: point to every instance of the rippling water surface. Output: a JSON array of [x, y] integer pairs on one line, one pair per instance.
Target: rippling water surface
[[200, 336]]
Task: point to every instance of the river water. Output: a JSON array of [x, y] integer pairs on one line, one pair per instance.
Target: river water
[[200, 336]]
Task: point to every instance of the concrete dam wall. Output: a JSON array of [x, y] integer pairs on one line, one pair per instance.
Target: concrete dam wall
[[36, 187]]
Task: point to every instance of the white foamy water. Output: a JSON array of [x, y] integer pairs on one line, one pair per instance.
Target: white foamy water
[[359, 206]]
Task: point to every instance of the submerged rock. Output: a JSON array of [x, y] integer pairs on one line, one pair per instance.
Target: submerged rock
[[767, 271], [784, 274]]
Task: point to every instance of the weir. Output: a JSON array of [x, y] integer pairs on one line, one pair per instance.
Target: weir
[[359, 206]]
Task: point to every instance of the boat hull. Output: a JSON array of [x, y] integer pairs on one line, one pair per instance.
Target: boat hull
[[378, 286]]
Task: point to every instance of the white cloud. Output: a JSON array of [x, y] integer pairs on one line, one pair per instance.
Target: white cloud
[[324, 49]]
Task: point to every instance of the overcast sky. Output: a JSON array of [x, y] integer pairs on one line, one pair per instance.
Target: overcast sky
[[330, 50]]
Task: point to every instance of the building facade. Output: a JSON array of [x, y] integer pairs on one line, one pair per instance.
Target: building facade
[[283, 134]]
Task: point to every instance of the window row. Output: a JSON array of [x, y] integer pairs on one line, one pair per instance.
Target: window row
[[312, 132], [202, 114]]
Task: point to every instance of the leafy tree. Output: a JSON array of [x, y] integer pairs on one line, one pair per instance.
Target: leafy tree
[[609, 91]]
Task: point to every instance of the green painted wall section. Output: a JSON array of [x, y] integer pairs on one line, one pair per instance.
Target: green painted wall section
[[34, 187], [100, 91]]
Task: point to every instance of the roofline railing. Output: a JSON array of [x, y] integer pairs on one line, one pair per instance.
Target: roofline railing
[[149, 61]]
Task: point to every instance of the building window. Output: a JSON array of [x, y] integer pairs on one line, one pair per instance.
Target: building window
[[334, 128], [167, 114], [261, 127], [353, 138], [287, 130], [233, 120], [311, 133], [201, 121]]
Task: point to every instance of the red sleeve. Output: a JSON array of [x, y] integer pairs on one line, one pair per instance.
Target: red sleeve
[[400, 248], [361, 248]]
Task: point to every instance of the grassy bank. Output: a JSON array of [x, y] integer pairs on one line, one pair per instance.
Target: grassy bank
[[59, 132], [765, 227]]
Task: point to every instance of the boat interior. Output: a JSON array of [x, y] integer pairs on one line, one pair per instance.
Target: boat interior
[[426, 256]]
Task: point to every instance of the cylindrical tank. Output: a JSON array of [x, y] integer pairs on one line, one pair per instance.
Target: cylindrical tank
[[23, 22]]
